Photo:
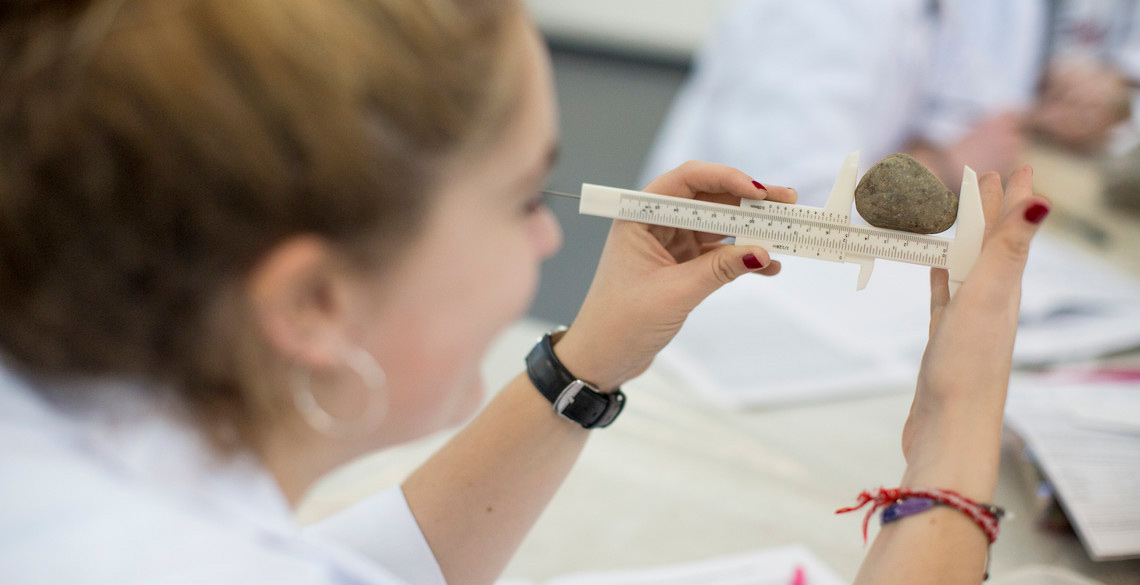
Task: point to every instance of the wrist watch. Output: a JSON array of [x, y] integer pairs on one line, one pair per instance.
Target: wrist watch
[[572, 398]]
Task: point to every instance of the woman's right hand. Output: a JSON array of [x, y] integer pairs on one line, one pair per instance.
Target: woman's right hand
[[952, 436], [650, 277]]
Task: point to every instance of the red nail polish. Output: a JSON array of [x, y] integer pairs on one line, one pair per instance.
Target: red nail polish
[[751, 262], [1036, 213], [759, 186]]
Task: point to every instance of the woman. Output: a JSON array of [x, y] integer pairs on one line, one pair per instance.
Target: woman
[[242, 243]]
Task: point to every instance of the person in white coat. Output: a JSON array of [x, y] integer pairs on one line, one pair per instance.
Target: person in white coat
[[242, 243], [787, 89], [1089, 94]]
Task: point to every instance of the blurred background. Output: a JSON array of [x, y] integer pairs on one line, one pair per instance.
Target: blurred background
[[783, 90], [783, 396]]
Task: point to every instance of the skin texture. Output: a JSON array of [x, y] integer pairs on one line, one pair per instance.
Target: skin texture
[[429, 316], [473, 270], [994, 144], [952, 437], [1079, 104]]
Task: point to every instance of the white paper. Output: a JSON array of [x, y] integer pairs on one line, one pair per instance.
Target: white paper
[[1116, 408], [1042, 575], [806, 334], [1095, 472], [760, 341], [775, 566], [1074, 306]]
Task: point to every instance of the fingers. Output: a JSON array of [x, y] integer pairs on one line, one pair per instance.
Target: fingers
[[781, 194], [771, 269], [706, 273], [1003, 256], [939, 289], [1017, 189], [989, 186], [772, 193], [997, 202], [695, 177], [701, 177]]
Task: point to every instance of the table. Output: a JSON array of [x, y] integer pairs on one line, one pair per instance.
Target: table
[[1079, 214]]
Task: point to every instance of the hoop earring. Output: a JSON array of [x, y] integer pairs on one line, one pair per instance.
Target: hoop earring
[[363, 365]]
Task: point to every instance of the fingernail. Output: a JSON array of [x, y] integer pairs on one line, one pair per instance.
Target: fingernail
[[1036, 213], [751, 262], [759, 186]]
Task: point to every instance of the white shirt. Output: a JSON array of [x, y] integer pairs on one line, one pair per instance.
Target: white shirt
[[116, 488], [784, 90], [1105, 32]]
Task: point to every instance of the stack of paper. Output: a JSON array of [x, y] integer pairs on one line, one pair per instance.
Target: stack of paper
[[806, 334], [790, 565], [1091, 459]]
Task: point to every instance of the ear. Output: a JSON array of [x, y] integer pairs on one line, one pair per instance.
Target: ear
[[299, 295]]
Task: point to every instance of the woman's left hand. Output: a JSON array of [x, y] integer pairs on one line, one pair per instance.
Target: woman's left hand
[[952, 435], [650, 277]]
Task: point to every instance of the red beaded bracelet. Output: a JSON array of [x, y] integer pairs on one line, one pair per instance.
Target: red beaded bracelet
[[986, 516]]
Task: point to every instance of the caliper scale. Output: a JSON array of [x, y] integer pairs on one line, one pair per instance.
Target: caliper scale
[[823, 233]]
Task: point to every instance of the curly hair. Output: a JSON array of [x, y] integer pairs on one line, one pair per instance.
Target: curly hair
[[151, 151]]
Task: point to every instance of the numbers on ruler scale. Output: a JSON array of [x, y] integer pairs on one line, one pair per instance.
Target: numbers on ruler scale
[[791, 229]]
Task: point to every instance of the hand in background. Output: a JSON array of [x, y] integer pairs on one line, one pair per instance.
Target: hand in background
[[995, 144], [952, 437], [649, 277], [1079, 104]]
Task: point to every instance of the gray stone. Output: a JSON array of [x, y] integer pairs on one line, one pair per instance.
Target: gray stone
[[898, 193]]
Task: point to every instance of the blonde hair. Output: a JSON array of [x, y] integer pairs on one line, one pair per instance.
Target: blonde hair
[[151, 151]]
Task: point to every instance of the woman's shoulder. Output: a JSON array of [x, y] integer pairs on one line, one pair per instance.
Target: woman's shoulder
[[79, 507], [57, 506]]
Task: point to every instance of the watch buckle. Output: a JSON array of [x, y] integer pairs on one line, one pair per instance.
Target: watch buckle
[[568, 394]]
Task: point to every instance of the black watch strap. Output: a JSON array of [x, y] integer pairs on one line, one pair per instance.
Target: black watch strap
[[572, 398]]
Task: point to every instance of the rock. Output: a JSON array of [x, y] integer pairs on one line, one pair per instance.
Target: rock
[[899, 193]]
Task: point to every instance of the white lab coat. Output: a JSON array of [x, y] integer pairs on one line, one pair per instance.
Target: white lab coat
[[784, 90], [119, 490], [1106, 32]]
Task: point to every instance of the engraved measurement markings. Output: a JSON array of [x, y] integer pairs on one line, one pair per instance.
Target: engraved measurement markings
[[793, 229]]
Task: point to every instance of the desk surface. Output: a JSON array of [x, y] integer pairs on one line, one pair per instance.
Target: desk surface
[[1080, 215], [677, 479]]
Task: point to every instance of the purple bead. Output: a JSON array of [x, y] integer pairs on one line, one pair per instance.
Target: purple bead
[[906, 508]]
